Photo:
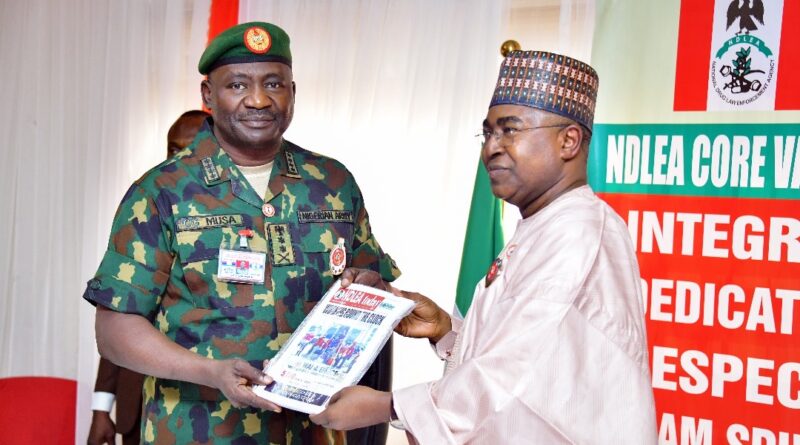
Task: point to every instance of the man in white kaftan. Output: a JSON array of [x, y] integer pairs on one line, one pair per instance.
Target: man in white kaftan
[[553, 349]]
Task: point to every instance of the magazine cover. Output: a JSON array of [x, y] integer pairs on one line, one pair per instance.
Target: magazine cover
[[333, 347]]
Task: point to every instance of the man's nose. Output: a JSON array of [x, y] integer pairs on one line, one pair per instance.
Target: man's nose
[[258, 98], [492, 146]]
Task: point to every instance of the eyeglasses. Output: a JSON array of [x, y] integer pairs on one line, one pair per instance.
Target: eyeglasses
[[506, 134]]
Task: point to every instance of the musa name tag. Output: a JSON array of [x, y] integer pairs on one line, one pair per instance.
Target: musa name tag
[[207, 222]]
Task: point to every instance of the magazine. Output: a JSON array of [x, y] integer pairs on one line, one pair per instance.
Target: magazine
[[333, 347]]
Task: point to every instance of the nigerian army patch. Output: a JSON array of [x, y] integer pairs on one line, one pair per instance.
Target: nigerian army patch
[[325, 216]]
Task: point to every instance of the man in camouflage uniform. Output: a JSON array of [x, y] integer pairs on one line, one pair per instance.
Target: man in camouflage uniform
[[162, 308]]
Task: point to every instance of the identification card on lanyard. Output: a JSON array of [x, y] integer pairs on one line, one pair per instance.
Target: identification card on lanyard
[[242, 265]]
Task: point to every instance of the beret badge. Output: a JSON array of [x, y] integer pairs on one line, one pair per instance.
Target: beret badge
[[257, 40]]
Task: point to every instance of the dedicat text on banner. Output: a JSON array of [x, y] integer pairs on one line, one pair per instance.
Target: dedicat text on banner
[[705, 169]]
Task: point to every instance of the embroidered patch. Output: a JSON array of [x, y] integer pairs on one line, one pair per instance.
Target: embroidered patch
[[207, 222], [257, 40], [325, 216], [210, 170], [280, 244]]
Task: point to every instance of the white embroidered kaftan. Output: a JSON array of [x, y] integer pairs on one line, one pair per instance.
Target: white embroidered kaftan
[[554, 350]]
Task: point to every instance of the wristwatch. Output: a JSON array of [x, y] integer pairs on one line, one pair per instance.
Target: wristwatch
[[394, 421]]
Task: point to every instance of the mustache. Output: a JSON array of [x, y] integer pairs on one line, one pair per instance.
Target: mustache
[[257, 115]]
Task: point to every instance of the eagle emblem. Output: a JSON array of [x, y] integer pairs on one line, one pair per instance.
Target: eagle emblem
[[745, 11]]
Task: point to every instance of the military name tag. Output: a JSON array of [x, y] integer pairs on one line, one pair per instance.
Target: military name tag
[[241, 266], [207, 222]]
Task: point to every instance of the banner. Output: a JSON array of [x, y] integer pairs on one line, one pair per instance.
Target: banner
[[697, 148]]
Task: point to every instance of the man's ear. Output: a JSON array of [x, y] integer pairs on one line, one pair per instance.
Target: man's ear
[[205, 93], [572, 141], [294, 88]]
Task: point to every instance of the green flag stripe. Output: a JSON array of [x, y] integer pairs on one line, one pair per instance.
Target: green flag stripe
[[483, 240]]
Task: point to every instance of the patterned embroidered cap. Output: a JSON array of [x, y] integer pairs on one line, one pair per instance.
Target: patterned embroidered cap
[[549, 82]]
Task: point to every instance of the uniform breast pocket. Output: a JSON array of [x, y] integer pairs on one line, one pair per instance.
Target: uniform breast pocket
[[313, 243], [198, 251]]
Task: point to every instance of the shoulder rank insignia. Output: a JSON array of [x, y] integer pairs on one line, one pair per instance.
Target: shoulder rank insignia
[[291, 167], [210, 173]]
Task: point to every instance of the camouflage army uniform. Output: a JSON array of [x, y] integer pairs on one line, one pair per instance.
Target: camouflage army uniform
[[162, 262]]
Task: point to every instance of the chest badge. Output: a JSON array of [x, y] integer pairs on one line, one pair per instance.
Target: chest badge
[[493, 272], [268, 210], [499, 264], [338, 258]]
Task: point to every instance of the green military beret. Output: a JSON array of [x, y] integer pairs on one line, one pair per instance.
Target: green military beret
[[247, 43]]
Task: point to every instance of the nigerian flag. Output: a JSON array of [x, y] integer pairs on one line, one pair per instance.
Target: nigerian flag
[[483, 240]]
